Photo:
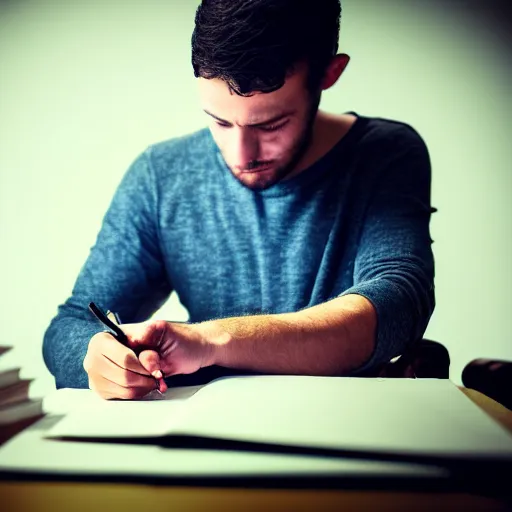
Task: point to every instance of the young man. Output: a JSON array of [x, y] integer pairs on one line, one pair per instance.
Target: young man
[[297, 240]]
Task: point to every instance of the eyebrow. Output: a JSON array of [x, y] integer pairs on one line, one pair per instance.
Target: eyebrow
[[263, 123]]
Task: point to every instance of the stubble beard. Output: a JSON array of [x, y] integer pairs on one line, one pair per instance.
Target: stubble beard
[[298, 151]]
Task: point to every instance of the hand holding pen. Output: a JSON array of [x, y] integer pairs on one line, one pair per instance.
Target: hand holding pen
[[113, 366]]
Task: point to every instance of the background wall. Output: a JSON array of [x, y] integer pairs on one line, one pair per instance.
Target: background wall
[[85, 86]]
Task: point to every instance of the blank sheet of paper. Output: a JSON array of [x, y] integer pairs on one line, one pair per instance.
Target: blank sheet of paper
[[90, 416], [400, 416], [403, 416]]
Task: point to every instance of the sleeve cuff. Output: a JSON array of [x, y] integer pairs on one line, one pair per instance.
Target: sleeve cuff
[[393, 322]]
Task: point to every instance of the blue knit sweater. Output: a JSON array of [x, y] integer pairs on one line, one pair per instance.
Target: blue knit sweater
[[356, 221]]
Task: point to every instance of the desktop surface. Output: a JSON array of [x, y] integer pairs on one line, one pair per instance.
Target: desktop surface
[[51, 494]]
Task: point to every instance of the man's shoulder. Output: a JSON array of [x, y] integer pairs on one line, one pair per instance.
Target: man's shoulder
[[186, 146], [190, 150], [388, 133]]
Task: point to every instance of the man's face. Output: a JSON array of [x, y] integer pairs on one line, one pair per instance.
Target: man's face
[[262, 137]]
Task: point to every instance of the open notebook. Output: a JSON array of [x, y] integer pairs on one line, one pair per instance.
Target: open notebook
[[389, 417]]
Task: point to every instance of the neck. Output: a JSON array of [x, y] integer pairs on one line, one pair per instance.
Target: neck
[[328, 130]]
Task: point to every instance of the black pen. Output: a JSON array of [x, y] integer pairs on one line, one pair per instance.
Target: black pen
[[114, 329]]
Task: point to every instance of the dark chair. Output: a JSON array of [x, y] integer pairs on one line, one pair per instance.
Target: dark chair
[[429, 359], [425, 359], [493, 378]]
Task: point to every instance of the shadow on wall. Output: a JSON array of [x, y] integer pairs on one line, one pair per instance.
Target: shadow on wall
[[494, 15]]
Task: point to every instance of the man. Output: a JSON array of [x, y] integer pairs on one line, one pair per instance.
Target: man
[[298, 240]]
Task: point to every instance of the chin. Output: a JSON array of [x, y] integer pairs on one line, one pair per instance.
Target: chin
[[262, 180], [257, 181]]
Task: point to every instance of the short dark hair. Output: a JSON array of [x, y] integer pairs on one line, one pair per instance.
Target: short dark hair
[[253, 45]]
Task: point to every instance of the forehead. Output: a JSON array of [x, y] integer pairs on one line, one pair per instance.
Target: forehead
[[217, 98]]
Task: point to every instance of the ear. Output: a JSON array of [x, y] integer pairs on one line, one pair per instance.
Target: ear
[[334, 70]]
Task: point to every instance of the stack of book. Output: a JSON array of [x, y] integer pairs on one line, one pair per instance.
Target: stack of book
[[17, 409]]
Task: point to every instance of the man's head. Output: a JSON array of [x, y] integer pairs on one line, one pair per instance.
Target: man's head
[[262, 65]]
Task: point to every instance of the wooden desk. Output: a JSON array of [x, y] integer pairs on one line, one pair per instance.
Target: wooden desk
[[25, 496]]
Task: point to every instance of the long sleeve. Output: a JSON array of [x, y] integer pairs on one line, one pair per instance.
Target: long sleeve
[[394, 266], [124, 272]]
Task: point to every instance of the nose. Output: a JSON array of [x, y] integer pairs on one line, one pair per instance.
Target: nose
[[245, 149]]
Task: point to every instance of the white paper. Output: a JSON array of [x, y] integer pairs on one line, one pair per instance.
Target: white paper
[[32, 452], [91, 416], [404, 416]]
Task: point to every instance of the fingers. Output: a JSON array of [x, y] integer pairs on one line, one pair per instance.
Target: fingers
[[151, 334], [109, 390], [162, 385], [114, 371], [126, 378], [150, 341], [118, 353], [150, 360]]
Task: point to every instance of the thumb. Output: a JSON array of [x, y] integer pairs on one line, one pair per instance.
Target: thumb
[[150, 360]]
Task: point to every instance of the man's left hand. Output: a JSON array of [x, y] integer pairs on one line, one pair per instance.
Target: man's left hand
[[172, 348]]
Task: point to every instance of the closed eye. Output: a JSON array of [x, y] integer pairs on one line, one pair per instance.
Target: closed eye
[[269, 128], [272, 128]]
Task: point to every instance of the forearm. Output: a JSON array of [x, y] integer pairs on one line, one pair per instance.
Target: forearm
[[64, 347], [328, 339]]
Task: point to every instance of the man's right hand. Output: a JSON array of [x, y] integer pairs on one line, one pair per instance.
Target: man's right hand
[[114, 370]]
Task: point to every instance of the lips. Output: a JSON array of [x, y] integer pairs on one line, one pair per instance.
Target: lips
[[258, 169]]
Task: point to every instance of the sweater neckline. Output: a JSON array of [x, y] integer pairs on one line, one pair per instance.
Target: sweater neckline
[[304, 178]]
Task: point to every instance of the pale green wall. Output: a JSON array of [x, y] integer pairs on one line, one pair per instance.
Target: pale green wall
[[86, 86]]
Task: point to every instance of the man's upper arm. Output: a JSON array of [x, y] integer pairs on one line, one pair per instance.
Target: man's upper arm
[[394, 266], [125, 272]]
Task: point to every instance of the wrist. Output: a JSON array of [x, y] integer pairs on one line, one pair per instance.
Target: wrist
[[216, 340]]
